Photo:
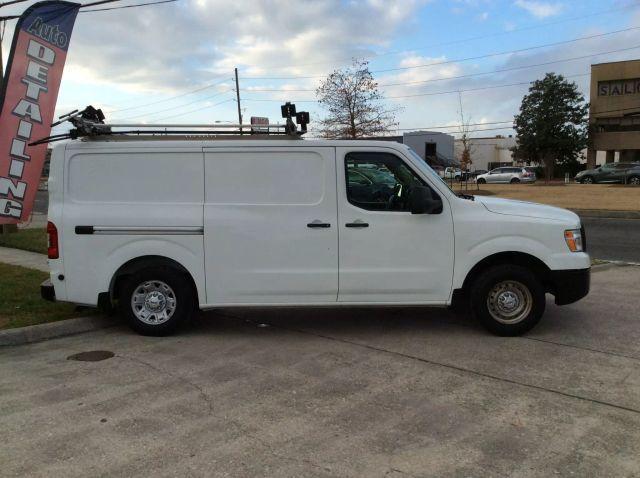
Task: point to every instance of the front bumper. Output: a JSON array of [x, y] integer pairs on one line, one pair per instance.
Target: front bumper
[[47, 292], [570, 285]]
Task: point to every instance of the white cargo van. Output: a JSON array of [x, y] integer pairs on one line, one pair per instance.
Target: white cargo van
[[163, 228]]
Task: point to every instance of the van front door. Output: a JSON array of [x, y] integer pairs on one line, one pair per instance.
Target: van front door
[[270, 225], [388, 254]]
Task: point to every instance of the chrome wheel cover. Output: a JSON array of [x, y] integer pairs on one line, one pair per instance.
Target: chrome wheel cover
[[509, 302], [635, 181], [153, 302]]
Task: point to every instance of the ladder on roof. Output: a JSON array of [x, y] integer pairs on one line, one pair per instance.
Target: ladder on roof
[[89, 123]]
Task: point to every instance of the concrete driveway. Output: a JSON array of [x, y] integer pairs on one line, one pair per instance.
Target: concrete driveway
[[399, 392]]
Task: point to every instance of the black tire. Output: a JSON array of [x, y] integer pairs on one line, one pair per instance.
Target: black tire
[[634, 180], [179, 288], [514, 180], [516, 279], [482, 181], [587, 180]]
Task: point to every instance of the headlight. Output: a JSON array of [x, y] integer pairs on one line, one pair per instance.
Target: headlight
[[573, 237]]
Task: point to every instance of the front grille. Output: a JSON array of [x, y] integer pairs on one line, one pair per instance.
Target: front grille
[[584, 238]]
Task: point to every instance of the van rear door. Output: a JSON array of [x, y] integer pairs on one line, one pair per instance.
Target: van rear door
[[270, 226]]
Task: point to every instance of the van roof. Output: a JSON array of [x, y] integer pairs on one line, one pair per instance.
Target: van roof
[[131, 143]]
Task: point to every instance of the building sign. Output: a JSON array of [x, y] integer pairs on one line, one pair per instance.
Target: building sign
[[256, 121], [619, 87], [28, 100]]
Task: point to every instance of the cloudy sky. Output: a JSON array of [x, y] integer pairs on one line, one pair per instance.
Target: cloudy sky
[[174, 62]]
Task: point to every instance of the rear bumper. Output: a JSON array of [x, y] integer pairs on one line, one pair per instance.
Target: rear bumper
[[47, 292], [570, 285]]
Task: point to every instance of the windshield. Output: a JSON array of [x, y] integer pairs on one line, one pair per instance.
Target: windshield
[[433, 174]]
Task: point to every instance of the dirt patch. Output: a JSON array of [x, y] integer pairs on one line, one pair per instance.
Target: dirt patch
[[603, 197]]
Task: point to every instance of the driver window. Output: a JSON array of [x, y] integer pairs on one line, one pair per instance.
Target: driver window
[[386, 185]]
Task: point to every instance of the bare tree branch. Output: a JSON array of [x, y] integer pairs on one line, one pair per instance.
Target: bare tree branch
[[352, 101]]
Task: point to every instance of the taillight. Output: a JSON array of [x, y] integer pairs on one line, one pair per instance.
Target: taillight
[[52, 234]]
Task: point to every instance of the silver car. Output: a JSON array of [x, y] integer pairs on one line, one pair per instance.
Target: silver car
[[507, 174]]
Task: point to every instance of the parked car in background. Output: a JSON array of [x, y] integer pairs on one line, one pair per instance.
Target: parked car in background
[[507, 174], [532, 170], [611, 173], [452, 173]]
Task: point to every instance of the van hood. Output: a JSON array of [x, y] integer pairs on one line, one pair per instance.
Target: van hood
[[528, 209]]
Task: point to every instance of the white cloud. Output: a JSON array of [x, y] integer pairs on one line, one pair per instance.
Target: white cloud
[[169, 48], [540, 9]]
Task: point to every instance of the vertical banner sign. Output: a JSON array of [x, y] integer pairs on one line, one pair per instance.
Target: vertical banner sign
[[28, 100]]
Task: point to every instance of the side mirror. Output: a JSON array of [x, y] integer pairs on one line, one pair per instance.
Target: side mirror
[[422, 202]]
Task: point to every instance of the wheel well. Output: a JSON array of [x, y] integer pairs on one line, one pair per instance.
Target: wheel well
[[139, 263], [532, 263]]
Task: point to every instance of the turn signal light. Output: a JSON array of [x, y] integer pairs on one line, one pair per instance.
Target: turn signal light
[[53, 251], [573, 237]]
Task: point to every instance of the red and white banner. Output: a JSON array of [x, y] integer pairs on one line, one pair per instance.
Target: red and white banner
[[28, 100]]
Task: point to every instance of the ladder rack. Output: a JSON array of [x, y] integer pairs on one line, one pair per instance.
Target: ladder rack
[[89, 123]]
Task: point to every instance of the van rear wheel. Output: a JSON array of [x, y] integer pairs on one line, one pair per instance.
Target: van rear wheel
[[508, 300], [156, 300]]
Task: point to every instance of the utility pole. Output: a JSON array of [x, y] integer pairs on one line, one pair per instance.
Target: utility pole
[[238, 101]]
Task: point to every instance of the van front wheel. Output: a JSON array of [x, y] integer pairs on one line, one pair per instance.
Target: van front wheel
[[156, 300], [508, 300]]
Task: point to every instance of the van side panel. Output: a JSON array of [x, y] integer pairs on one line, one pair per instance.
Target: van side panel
[[131, 202]]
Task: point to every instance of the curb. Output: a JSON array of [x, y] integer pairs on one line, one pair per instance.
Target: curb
[[607, 214], [38, 333]]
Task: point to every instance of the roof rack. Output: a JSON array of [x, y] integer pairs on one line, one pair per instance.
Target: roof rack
[[89, 123]]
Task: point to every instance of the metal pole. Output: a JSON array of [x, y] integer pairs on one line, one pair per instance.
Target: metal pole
[[5, 228], [2, 25], [238, 101]]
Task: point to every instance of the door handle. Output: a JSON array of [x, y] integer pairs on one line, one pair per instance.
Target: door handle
[[357, 223], [318, 224]]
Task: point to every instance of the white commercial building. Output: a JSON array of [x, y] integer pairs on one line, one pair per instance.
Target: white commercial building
[[434, 147], [488, 153]]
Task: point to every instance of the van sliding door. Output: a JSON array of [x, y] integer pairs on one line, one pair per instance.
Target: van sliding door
[[270, 227]]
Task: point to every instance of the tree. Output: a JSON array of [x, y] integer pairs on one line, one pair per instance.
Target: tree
[[552, 124], [353, 103], [464, 129]]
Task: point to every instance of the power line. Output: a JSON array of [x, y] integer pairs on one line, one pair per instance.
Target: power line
[[177, 107], [459, 60], [469, 75], [176, 96], [194, 110], [101, 2], [435, 93], [6, 4], [127, 6], [457, 125], [464, 40]]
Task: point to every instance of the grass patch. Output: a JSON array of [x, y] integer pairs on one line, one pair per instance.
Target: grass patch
[[20, 301], [34, 240]]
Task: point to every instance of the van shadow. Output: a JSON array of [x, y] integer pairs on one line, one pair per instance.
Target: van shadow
[[335, 321]]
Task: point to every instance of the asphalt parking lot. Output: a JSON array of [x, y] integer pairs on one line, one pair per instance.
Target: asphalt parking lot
[[359, 392]]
